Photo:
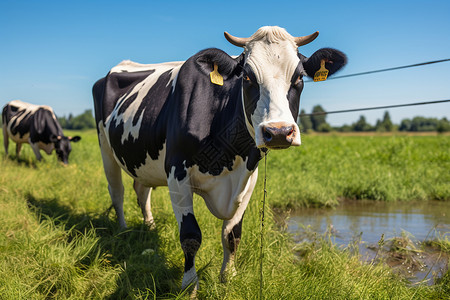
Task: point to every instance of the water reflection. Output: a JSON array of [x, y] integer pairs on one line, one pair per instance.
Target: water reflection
[[374, 219], [367, 221]]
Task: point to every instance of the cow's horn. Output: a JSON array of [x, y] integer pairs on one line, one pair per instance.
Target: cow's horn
[[303, 40], [237, 41]]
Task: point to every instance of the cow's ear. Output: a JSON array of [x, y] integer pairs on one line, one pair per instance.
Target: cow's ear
[[227, 66], [74, 139], [334, 61]]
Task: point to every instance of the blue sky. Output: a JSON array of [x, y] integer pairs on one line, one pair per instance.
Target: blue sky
[[52, 52]]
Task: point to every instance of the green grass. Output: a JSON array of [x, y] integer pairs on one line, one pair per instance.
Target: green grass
[[57, 240]]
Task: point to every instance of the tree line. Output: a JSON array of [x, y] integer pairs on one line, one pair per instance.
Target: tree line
[[83, 121], [318, 123]]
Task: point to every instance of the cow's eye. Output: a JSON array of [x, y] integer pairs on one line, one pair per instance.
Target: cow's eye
[[297, 81], [246, 78]]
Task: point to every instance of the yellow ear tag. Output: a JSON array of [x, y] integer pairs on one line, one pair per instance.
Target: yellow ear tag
[[322, 74], [216, 78]]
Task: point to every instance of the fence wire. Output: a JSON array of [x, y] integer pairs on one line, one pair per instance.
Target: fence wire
[[388, 69], [372, 108], [380, 107]]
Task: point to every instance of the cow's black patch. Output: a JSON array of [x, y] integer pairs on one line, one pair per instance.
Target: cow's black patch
[[295, 90], [190, 239], [117, 85], [207, 124], [22, 127], [234, 237], [44, 127], [251, 92]]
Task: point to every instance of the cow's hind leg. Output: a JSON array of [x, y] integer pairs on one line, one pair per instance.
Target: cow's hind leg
[[144, 197], [181, 196], [114, 177]]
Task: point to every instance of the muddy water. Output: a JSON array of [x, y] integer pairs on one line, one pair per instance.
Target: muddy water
[[363, 223]]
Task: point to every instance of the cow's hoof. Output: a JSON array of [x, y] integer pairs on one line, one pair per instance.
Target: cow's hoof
[[190, 280], [228, 274], [150, 224]]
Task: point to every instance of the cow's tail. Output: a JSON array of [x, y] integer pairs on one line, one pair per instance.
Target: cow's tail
[[98, 91], [4, 115]]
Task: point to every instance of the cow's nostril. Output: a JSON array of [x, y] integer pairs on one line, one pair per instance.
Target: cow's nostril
[[290, 130], [267, 136]]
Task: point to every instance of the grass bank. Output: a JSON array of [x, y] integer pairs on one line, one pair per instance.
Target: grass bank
[[58, 241]]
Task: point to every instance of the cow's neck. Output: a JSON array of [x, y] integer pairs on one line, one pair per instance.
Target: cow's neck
[[244, 132], [229, 137]]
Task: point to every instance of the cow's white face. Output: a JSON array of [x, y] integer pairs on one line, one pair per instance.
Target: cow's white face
[[272, 84], [272, 66]]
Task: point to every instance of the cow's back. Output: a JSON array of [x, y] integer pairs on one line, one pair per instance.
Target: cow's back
[[18, 116], [119, 83]]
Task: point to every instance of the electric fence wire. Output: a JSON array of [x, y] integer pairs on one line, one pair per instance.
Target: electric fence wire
[[380, 107], [387, 69], [372, 108]]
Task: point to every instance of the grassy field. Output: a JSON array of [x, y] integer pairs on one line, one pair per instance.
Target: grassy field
[[57, 239]]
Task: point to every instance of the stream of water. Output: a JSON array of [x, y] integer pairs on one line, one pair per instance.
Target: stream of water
[[364, 223]]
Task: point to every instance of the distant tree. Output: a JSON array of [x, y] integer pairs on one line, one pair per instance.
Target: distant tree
[[318, 120], [424, 124], [386, 124], [344, 128], [305, 122], [405, 125], [362, 125], [443, 125], [62, 121], [324, 127], [83, 121]]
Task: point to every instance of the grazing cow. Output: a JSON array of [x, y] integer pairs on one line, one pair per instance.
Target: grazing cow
[[201, 126], [36, 125]]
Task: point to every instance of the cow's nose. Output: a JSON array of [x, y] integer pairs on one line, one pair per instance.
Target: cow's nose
[[278, 135]]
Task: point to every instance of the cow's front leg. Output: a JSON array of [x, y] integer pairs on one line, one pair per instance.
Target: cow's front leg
[[36, 150], [144, 197], [232, 230], [190, 235], [18, 148]]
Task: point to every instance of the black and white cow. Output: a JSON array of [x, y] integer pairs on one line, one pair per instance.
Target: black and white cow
[[36, 125], [171, 124]]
